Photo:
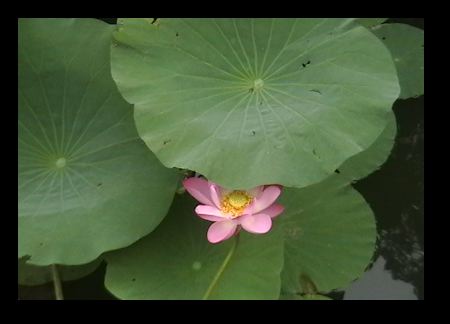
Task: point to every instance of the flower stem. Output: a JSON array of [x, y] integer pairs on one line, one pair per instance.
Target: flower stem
[[57, 283], [222, 268]]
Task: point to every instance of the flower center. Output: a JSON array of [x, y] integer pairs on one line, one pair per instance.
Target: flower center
[[235, 202]]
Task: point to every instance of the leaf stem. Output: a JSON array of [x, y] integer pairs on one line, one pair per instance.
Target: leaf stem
[[222, 268], [57, 283]]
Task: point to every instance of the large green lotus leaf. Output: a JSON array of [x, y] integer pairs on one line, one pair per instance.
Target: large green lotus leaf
[[330, 235], [313, 297], [177, 262], [87, 183], [406, 44], [362, 164], [31, 275], [243, 100], [370, 22], [305, 297]]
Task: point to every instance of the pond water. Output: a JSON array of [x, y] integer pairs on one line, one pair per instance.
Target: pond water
[[396, 195]]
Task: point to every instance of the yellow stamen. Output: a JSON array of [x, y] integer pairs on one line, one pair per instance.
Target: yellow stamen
[[235, 202]]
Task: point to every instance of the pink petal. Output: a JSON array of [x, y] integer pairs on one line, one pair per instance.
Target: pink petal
[[273, 211], [256, 192], [267, 198], [214, 193], [199, 189], [258, 224], [221, 231], [209, 213], [208, 210], [211, 218]]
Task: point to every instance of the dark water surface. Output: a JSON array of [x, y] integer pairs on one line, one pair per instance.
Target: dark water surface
[[396, 195]]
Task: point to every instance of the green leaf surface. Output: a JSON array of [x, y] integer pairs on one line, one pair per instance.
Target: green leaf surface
[[330, 235], [87, 183], [406, 44], [243, 100], [370, 22], [177, 262], [362, 164], [31, 275], [305, 297], [314, 297]]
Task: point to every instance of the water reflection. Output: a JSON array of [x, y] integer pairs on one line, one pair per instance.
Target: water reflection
[[396, 195], [381, 284]]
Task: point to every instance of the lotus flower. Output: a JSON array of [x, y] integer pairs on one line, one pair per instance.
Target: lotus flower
[[230, 210]]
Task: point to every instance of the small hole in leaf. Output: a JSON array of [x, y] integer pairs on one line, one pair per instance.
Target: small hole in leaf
[[99, 184], [176, 34], [315, 154], [167, 141], [134, 279], [315, 90], [253, 132], [383, 38], [154, 20], [306, 63], [337, 171]]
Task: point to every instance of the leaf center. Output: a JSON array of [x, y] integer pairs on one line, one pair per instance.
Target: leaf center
[[60, 163], [258, 84]]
